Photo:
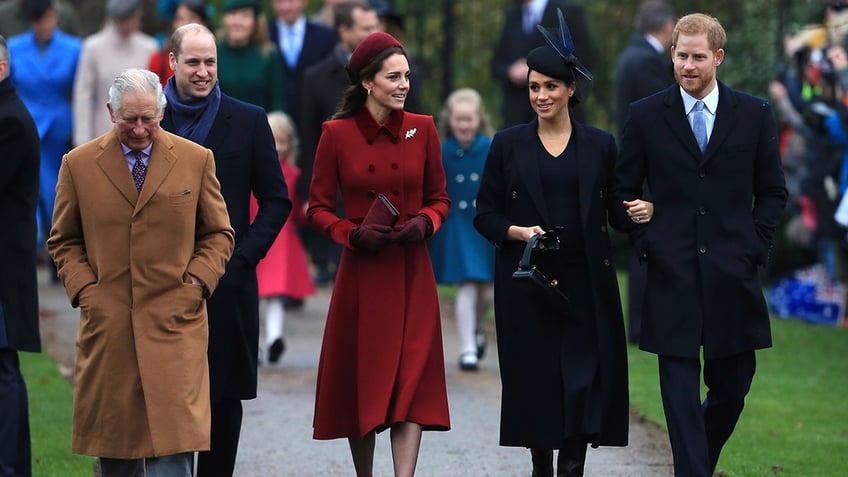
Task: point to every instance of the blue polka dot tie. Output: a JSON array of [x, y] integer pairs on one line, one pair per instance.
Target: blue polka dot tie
[[139, 170]]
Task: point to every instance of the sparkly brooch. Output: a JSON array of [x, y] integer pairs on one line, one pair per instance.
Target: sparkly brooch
[[410, 133]]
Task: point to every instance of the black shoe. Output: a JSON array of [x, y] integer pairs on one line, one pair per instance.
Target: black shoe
[[276, 350], [468, 361], [480, 339], [292, 304]]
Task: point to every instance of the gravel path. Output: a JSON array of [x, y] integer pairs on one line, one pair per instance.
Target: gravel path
[[276, 433]]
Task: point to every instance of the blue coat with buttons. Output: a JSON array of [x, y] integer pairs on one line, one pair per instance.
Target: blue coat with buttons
[[459, 254], [714, 218]]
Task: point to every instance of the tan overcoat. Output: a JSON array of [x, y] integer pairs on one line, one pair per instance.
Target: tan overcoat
[[141, 382]]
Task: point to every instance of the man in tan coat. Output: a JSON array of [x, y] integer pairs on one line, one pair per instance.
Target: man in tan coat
[[140, 238]]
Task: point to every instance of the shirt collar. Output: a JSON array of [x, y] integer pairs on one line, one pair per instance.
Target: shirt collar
[[145, 153], [655, 43], [710, 101], [298, 27], [537, 7], [370, 128]]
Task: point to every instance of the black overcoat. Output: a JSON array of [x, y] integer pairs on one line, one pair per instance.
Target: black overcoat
[[714, 218], [529, 332], [246, 162], [19, 166]]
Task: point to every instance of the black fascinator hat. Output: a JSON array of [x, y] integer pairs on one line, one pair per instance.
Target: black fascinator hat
[[557, 60]]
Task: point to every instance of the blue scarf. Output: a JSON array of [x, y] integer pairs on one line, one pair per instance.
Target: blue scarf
[[193, 117]]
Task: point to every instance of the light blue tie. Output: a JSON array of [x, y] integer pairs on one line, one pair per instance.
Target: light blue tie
[[699, 125], [291, 50]]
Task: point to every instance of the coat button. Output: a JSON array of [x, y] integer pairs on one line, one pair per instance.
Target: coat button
[[395, 166], [459, 153], [606, 262], [474, 177], [603, 229], [463, 205], [396, 193], [371, 168], [514, 194], [372, 194], [460, 178], [702, 173], [702, 211], [702, 249], [602, 193]]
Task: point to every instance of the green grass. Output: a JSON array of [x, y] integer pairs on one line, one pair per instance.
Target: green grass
[[50, 401], [795, 422]]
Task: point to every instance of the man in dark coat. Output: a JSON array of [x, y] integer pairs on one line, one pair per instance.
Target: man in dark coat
[[518, 36], [710, 157], [301, 43], [19, 164], [642, 69], [246, 162]]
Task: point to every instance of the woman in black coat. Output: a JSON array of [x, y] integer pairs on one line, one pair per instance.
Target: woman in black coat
[[564, 371]]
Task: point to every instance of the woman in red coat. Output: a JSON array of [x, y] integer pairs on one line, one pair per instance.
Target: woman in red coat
[[382, 364]]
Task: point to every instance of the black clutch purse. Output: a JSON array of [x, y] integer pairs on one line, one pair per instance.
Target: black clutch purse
[[531, 277]]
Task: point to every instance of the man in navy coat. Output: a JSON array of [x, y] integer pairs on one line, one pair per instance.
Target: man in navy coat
[[19, 165], [716, 207], [518, 36], [246, 162], [643, 68], [302, 43]]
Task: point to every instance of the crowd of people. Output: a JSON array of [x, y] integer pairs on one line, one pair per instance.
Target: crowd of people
[[196, 187]]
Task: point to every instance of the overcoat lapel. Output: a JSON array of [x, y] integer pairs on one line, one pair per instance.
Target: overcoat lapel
[[526, 156], [162, 159], [112, 162], [725, 121], [220, 127], [675, 117], [588, 160]]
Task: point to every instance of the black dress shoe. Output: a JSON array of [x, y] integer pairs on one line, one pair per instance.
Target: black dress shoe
[[480, 341], [276, 350]]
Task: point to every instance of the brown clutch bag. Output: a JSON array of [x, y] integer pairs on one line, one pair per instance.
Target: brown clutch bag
[[381, 212]]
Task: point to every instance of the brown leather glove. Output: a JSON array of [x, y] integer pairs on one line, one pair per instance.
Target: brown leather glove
[[371, 237], [413, 230]]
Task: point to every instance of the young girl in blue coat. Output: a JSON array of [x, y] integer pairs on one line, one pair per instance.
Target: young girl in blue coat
[[459, 254]]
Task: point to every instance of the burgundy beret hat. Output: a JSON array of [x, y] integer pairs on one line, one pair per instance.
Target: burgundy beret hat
[[367, 49]]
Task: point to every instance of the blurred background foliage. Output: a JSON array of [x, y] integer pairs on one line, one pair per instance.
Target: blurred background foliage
[[452, 41]]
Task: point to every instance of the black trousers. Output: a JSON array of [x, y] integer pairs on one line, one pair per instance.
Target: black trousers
[[637, 274], [15, 450], [220, 461], [571, 459], [698, 430]]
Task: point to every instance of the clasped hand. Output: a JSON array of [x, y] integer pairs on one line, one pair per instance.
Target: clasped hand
[[373, 237]]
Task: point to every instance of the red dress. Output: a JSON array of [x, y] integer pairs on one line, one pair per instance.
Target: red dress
[[381, 360], [285, 269]]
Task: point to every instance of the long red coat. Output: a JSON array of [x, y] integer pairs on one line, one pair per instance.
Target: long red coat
[[381, 361], [285, 269]]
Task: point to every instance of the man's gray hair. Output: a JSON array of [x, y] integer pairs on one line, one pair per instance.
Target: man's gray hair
[[136, 81], [653, 15]]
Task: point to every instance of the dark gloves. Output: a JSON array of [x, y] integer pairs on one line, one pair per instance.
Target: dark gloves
[[415, 229], [371, 237]]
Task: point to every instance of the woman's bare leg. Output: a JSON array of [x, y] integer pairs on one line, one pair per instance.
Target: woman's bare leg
[[406, 440]]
